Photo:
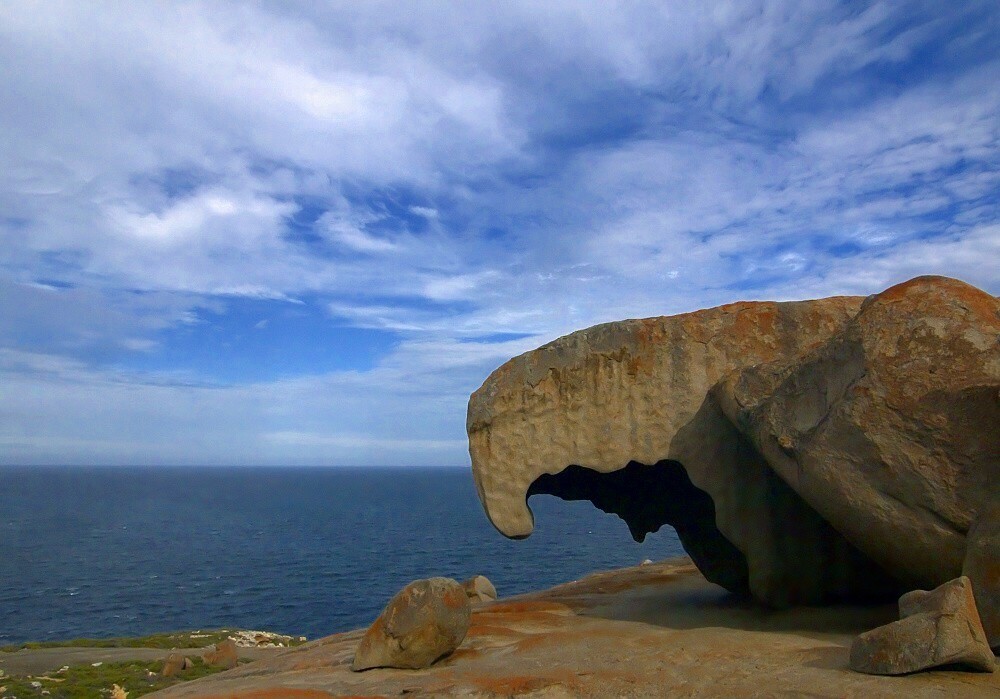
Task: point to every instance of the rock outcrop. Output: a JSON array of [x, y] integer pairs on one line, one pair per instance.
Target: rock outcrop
[[805, 452], [647, 631], [425, 621], [936, 628]]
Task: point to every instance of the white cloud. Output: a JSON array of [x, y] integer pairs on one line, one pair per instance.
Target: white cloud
[[460, 286], [349, 234], [450, 174]]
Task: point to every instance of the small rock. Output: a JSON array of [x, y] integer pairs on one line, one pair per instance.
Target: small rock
[[222, 654], [940, 627], [174, 665], [425, 621], [480, 589]]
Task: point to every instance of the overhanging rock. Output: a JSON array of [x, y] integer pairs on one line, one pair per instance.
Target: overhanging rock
[[805, 452]]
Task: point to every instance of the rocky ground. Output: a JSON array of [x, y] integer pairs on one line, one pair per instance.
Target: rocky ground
[[649, 631]]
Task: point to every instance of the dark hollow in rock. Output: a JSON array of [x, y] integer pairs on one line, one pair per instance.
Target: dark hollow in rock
[[826, 568], [647, 497]]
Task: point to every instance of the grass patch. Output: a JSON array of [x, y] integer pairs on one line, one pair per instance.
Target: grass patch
[[166, 641], [89, 682]]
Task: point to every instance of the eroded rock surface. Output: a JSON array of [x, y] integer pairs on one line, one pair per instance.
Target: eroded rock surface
[[936, 628], [805, 452], [425, 621], [885, 429], [649, 631]]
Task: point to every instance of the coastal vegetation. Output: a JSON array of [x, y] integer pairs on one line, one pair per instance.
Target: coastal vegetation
[[167, 641], [126, 678], [133, 678]]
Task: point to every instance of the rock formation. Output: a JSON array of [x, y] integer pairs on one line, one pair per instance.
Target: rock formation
[[936, 628], [425, 621], [805, 452]]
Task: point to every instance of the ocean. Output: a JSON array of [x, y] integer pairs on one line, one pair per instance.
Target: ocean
[[122, 551]]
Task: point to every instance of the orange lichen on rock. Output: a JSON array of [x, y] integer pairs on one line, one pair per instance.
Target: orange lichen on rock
[[515, 685], [282, 693], [524, 606]]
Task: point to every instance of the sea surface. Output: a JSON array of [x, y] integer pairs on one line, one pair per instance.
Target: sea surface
[[112, 551]]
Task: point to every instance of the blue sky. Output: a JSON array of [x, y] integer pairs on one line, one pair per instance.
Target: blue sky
[[303, 233]]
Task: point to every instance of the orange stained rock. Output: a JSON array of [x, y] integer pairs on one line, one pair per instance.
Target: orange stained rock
[[515, 685], [281, 693], [521, 607]]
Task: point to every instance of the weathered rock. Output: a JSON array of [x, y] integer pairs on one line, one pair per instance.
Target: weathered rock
[[621, 414], [860, 421], [936, 628], [645, 631], [425, 621], [174, 664], [222, 654], [982, 566], [883, 429], [480, 589]]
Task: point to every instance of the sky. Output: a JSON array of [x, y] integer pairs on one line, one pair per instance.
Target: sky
[[304, 233]]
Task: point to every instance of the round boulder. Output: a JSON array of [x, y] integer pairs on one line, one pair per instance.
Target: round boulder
[[480, 589], [222, 654], [425, 621]]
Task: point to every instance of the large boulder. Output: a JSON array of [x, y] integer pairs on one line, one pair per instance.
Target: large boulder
[[425, 621], [936, 628], [884, 429], [805, 452]]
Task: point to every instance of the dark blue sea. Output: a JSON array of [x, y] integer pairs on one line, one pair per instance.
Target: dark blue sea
[[97, 552]]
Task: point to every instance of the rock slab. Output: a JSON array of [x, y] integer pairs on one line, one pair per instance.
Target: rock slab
[[936, 628], [426, 620]]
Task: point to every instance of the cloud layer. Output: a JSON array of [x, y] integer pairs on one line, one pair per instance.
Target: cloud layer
[[453, 185]]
